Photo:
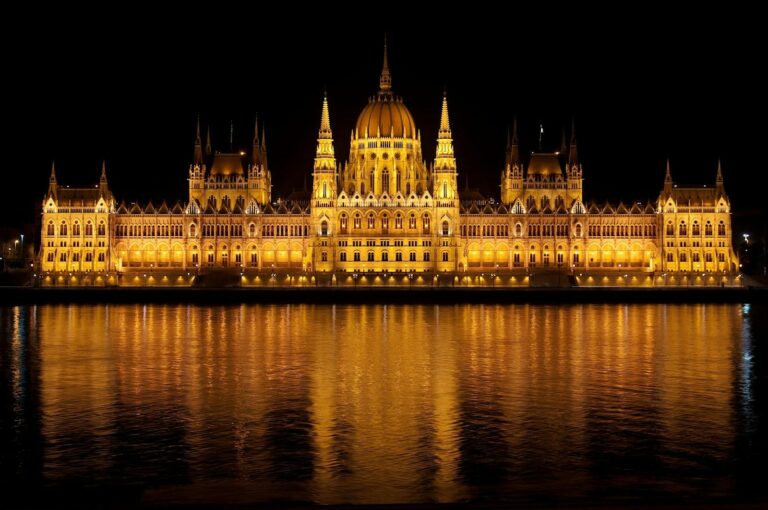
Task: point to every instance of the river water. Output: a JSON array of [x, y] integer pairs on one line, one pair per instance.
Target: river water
[[531, 404]]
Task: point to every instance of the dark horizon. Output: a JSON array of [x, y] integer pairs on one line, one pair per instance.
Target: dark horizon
[[640, 92]]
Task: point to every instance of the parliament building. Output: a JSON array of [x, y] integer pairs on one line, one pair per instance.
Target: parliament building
[[386, 217]]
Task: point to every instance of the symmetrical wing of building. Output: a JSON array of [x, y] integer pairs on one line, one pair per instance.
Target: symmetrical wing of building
[[386, 216]]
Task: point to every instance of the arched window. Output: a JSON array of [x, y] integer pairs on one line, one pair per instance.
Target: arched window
[[544, 201], [670, 229], [192, 230], [445, 190], [407, 188], [324, 228], [252, 230], [412, 221], [530, 202], [398, 221], [343, 223], [88, 229], [75, 229], [102, 228], [63, 229], [445, 228], [371, 221], [358, 221], [696, 230], [578, 230], [51, 228], [385, 181], [372, 182], [683, 229], [325, 190], [708, 229], [721, 229], [212, 201], [518, 230], [425, 224]]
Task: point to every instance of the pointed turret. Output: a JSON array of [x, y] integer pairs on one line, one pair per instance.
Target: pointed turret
[[264, 146], [103, 185], [256, 151], [385, 81], [668, 179], [513, 150], [324, 175], [573, 155], [325, 120], [719, 186], [208, 148], [52, 183], [444, 168], [198, 156], [445, 124]]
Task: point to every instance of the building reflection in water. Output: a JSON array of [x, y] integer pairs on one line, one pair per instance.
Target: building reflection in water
[[384, 403]]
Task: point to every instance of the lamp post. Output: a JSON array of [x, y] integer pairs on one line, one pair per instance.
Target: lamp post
[[22, 245], [16, 247]]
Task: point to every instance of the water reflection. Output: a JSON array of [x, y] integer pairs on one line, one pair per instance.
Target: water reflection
[[362, 404]]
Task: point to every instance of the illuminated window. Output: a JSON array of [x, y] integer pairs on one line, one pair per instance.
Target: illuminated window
[[721, 229], [385, 257], [708, 229], [696, 230], [445, 228], [50, 229], [324, 256], [343, 256], [63, 229], [357, 256], [324, 228], [445, 256], [50, 256], [683, 229]]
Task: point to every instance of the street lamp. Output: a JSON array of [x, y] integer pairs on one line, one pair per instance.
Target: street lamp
[[16, 247], [22, 245]]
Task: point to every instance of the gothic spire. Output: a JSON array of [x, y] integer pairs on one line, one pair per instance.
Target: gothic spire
[[208, 148], [385, 82], [513, 152], [719, 178], [103, 177], [445, 125], [668, 176], [573, 156], [256, 155], [198, 157], [53, 173], [325, 120], [52, 185]]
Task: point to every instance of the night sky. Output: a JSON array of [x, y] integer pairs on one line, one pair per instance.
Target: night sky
[[643, 86]]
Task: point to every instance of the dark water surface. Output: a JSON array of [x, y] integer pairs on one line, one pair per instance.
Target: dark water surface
[[385, 404]]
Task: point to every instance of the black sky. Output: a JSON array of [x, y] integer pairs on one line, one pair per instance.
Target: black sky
[[127, 87]]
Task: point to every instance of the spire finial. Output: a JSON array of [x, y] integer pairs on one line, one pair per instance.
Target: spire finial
[[513, 153], [208, 148], [197, 135], [385, 82], [198, 155], [256, 131], [719, 171], [53, 171], [573, 156], [103, 170], [325, 120], [445, 125]]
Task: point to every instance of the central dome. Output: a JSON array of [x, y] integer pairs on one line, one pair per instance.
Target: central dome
[[387, 116]]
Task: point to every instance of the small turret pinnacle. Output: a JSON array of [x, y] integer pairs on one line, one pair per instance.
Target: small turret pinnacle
[[385, 82], [719, 172], [573, 155], [513, 152], [103, 177], [668, 176], [198, 156], [325, 120], [53, 172], [208, 148], [445, 125]]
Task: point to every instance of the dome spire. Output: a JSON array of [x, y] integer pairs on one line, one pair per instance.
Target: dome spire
[[385, 82]]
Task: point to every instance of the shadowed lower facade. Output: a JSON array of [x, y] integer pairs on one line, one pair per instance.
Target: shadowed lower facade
[[386, 217]]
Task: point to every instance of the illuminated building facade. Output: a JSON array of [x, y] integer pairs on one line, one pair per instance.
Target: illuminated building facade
[[386, 217]]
